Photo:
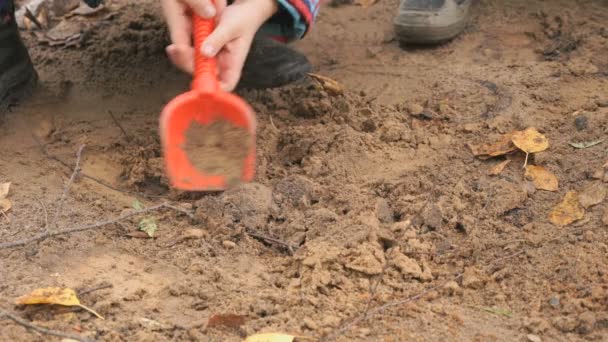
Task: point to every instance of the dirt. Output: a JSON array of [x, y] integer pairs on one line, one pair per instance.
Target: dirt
[[369, 219], [219, 148]]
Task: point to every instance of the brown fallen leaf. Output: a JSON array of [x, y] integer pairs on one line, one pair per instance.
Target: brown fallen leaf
[[54, 295], [331, 86], [229, 321], [530, 140], [542, 178], [485, 151], [568, 211], [498, 168], [593, 194]]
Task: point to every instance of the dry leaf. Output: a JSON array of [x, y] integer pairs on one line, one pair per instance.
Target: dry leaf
[[568, 211], [230, 321], [586, 144], [542, 178], [270, 337], [497, 169], [54, 295], [499, 148], [332, 87], [366, 3], [593, 194], [530, 140]]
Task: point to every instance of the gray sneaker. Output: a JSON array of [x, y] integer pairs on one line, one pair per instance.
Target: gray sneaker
[[430, 21]]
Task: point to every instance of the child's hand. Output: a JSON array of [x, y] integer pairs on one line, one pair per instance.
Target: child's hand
[[230, 41]]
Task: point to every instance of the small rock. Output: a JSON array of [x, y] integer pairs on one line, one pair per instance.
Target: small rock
[[415, 109], [599, 174], [369, 126], [581, 122], [228, 244], [602, 103], [418, 246], [383, 211], [593, 194], [472, 127], [536, 325], [554, 302], [586, 322], [472, 278], [432, 216], [605, 217], [534, 338], [565, 324], [310, 324]]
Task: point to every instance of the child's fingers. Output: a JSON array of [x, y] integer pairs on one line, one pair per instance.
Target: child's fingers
[[182, 56], [180, 26], [204, 8], [225, 32]]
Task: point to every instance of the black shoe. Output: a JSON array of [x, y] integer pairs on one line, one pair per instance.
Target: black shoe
[[17, 74], [430, 21], [271, 64]]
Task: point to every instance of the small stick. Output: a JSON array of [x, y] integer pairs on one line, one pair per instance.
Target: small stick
[[100, 224], [97, 288], [266, 238], [117, 123], [66, 190], [46, 214], [28, 325]]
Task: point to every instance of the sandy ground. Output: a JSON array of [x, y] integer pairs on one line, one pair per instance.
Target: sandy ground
[[385, 226]]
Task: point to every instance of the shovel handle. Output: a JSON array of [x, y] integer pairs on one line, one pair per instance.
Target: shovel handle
[[205, 68]]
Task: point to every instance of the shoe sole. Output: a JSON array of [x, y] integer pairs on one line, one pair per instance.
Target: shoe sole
[[421, 27]]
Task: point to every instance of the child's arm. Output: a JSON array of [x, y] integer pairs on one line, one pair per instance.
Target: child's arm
[[236, 26]]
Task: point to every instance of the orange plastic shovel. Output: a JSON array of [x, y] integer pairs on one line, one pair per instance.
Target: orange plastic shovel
[[204, 104]]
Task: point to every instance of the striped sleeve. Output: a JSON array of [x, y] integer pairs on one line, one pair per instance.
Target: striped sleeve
[[294, 19]]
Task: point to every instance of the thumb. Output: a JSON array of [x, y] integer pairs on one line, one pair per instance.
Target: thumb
[[222, 35]]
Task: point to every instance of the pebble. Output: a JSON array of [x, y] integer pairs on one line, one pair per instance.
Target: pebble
[[605, 217], [554, 302], [383, 211], [534, 338], [565, 323], [588, 236], [581, 122], [228, 244], [586, 322], [602, 103]]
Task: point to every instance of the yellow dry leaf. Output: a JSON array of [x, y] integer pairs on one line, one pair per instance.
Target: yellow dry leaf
[[568, 211], [530, 140], [54, 295], [497, 169], [270, 337], [331, 86], [499, 148], [542, 178]]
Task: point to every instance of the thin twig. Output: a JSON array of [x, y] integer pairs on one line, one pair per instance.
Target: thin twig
[[100, 224], [66, 190], [117, 123], [28, 325], [46, 214], [96, 288], [266, 238]]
